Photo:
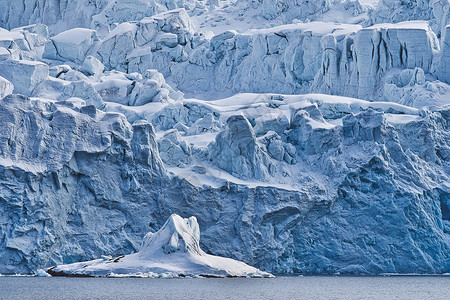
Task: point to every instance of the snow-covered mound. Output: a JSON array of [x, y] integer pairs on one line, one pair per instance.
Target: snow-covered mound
[[173, 251]]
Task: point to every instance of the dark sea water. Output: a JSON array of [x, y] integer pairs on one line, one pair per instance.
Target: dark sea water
[[307, 287]]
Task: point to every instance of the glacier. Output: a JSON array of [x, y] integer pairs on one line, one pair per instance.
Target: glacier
[[305, 137]]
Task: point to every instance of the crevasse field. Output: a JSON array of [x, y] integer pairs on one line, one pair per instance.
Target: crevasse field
[[306, 137]]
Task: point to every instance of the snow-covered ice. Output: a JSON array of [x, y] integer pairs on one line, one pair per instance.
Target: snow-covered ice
[[172, 251], [25, 75]]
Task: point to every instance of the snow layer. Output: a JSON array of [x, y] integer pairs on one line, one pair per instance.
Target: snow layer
[[172, 251]]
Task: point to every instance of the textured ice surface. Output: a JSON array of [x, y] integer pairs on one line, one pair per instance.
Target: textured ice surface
[[104, 14], [62, 15], [25, 75], [236, 151], [71, 45], [342, 189], [322, 57], [391, 11], [23, 43], [102, 146], [6, 87], [172, 251], [443, 63]]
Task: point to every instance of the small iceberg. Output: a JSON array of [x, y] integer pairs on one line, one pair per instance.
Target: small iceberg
[[173, 251], [41, 273]]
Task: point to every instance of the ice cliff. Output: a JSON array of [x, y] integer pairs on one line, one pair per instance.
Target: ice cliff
[[330, 58], [340, 187], [310, 147], [321, 57]]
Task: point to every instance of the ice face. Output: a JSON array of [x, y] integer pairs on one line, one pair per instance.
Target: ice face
[[297, 58], [436, 11], [236, 151], [24, 75], [6, 87], [353, 146], [443, 63]]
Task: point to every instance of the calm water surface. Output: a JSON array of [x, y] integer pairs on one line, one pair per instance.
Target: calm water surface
[[307, 287]]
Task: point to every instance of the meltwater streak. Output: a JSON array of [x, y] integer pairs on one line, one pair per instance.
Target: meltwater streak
[[306, 287]]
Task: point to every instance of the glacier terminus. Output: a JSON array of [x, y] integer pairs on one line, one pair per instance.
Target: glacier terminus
[[304, 137]]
